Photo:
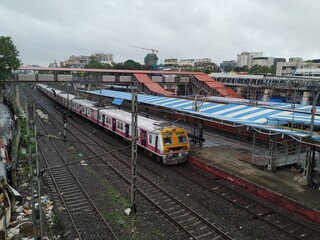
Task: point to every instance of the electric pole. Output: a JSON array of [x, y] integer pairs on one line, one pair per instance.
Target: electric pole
[[134, 133]]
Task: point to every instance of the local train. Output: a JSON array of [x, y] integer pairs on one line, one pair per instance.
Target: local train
[[169, 144]]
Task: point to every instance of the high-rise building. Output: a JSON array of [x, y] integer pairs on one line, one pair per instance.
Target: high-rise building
[[245, 58], [227, 66], [150, 61], [276, 60], [262, 61]]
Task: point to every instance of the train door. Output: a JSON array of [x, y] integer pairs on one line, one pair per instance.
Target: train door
[[103, 119], [156, 143], [114, 124], [126, 130], [143, 136]]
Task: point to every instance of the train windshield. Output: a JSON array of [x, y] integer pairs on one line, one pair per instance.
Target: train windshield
[[167, 140], [182, 139]]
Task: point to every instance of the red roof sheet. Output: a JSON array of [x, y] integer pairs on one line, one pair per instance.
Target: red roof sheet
[[218, 86], [154, 87]]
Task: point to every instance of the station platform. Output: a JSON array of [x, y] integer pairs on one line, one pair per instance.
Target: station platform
[[232, 162]]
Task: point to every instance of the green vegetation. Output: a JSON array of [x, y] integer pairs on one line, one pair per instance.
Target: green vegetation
[[129, 64], [116, 203], [9, 60], [257, 70], [54, 218]]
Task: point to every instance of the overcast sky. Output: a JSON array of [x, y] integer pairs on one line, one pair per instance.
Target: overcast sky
[[48, 30]]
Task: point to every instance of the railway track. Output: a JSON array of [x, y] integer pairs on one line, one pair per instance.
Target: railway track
[[69, 193], [290, 226], [196, 226], [76, 200], [187, 219]]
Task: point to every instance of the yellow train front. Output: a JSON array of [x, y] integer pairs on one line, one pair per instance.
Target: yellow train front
[[175, 145]]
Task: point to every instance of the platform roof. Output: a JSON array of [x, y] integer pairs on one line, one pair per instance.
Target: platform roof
[[265, 119], [275, 105]]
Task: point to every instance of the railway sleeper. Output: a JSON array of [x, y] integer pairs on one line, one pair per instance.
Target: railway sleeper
[[183, 215], [76, 200], [71, 192], [169, 209], [187, 220], [179, 211], [76, 197], [193, 224], [267, 214], [287, 226], [79, 210], [69, 187], [70, 179], [77, 204], [205, 234]]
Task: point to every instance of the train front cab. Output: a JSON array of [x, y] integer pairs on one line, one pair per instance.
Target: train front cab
[[175, 145]]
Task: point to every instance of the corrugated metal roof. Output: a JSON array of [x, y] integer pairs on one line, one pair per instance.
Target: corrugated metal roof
[[265, 118], [152, 86]]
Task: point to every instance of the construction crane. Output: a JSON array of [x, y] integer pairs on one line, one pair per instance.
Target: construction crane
[[152, 50]]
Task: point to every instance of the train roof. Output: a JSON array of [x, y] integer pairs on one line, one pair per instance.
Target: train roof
[[66, 95], [85, 103], [143, 122], [268, 119], [57, 91]]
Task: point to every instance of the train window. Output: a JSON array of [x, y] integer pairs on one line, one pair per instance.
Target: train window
[[182, 139], [88, 112], [150, 138], [120, 125], [167, 140], [107, 121]]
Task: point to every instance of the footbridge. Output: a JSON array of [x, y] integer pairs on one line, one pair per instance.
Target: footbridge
[[262, 87], [163, 83]]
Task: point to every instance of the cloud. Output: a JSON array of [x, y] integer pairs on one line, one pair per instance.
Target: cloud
[[219, 29]]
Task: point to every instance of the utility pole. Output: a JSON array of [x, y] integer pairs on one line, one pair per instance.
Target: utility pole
[[310, 156], [134, 133], [34, 171]]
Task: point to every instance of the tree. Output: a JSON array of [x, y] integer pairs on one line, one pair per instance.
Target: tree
[[132, 65], [93, 63], [241, 69], [9, 60], [257, 69]]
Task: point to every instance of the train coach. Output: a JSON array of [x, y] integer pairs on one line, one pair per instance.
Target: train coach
[[169, 144]]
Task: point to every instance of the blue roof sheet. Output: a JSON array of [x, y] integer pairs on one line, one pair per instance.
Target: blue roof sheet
[[259, 117], [117, 101]]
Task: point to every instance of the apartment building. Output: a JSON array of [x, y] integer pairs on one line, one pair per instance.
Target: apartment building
[[297, 67], [82, 60], [245, 58]]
